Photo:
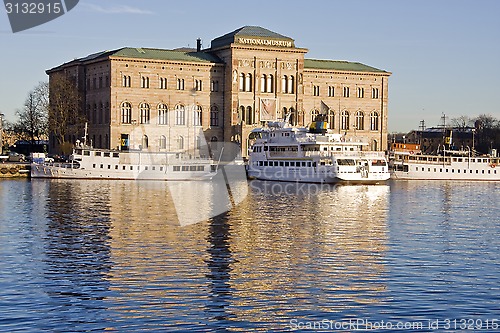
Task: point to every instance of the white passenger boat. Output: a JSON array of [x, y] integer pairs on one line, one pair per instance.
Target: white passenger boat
[[90, 163], [449, 165], [407, 162], [283, 153]]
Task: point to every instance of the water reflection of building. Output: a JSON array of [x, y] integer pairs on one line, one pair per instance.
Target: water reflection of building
[[326, 247]]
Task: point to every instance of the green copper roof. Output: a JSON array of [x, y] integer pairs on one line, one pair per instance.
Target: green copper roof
[[160, 54], [248, 32], [340, 66]]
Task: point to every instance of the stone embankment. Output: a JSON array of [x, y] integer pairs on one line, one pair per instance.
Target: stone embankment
[[11, 170]]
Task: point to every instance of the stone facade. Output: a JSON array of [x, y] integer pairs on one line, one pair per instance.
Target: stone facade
[[174, 99]]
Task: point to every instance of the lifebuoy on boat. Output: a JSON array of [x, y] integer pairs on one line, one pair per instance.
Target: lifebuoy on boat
[[493, 165], [4, 170], [13, 171]]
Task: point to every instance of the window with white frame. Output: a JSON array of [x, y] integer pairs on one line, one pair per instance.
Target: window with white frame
[[145, 113], [344, 120], [144, 82], [180, 115], [126, 113], [163, 83], [360, 120], [162, 114], [374, 120], [197, 114], [374, 92]]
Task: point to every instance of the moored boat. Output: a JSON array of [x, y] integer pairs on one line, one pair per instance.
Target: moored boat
[[90, 163], [311, 155]]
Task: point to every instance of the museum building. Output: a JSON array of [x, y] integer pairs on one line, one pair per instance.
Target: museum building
[[173, 100]]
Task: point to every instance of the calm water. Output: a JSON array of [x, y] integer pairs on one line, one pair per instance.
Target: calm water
[[92, 256]]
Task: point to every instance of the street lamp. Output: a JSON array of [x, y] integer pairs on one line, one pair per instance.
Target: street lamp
[[473, 133]]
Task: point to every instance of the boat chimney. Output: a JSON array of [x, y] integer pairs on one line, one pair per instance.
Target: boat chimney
[[198, 45]]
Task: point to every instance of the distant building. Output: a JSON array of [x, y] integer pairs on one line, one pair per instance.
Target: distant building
[[157, 99], [432, 139]]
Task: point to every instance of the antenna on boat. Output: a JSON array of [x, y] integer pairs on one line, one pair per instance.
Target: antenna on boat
[[85, 135]]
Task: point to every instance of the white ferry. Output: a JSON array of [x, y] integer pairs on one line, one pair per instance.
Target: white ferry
[[90, 163], [284, 153], [450, 165]]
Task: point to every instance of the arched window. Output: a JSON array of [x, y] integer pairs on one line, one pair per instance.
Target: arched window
[[284, 85], [242, 82], [145, 142], [126, 113], [101, 113], [242, 114], [248, 82], [291, 84], [180, 84], [293, 117], [374, 121], [270, 83], [163, 142], [344, 120], [180, 115], [145, 113], [314, 113], [162, 114], [180, 142], [214, 116], [331, 119], [360, 120], [197, 113], [107, 119], [250, 115], [94, 114], [263, 81]]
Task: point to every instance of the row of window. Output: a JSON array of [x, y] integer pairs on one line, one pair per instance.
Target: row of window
[[346, 92], [458, 170], [162, 83], [154, 168], [345, 120], [163, 115], [97, 82], [98, 113]]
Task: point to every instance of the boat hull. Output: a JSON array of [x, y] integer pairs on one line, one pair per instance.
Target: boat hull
[[315, 175]]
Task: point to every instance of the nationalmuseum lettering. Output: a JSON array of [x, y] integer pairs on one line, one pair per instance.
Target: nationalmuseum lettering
[[265, 42]]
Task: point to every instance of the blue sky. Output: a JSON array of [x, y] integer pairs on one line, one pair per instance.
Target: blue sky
[[444, 54]]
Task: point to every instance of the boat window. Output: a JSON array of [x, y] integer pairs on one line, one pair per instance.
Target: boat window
[[265, 148], [93, 165], [116, 167], [281, 164], [86, 153], [102, 166], [193, 168], [109, 166], [116, 155], [106, 154], [287, 164], [343, 161], [161, 168], [200, 168], [185, 168], [145, 168], [314, 164], [78, 152], [261, 163], [131, 167], [97, 153], [177, 168], [266, 163]]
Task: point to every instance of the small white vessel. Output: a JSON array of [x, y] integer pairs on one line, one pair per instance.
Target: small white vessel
[[283, 153], [90, 163]]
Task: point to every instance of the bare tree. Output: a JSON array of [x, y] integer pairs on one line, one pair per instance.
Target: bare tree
[[462, 122], [65, 116], [32, 122]]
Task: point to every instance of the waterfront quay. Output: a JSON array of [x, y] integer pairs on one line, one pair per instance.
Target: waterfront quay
[[11, 170]]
